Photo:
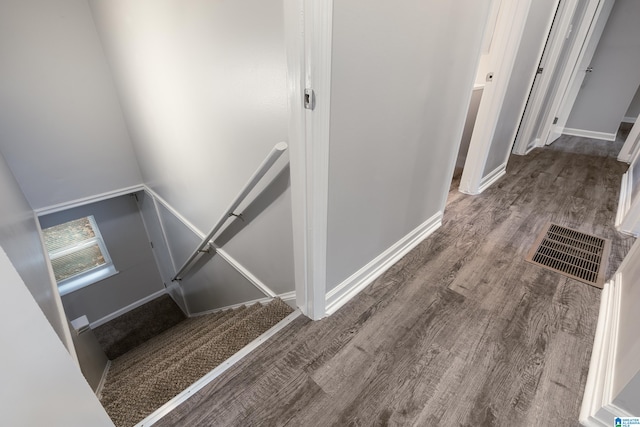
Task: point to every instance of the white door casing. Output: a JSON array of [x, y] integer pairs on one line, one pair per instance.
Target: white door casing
[[506, 40], [592, 37], [538, 105], [539, 116], [631, 144], [308, 32]]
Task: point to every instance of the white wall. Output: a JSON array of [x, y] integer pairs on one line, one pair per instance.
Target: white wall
[[41, 384], [626, 379], [204, 90], [20, 237], [61, 126], [613, 384], [402, 76], [124, 235], [607, 92]]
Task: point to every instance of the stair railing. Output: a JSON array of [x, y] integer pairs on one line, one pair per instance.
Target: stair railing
[[206, 246]]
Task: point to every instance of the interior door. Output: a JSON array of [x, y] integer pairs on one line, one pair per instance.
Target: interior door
[[554, 61], [582, 69]]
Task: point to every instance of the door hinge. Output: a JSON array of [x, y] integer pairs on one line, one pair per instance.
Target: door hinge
[[309, 99], [540, 70], [151, 243], [555, 120]]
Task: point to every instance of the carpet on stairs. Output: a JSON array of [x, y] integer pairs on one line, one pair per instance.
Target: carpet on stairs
[[133, 328], [148, 376]]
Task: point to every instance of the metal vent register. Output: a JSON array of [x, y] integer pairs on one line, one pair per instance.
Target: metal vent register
[[570, 252]]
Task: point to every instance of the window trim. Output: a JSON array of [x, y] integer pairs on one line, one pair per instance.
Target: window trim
[[92, 275]]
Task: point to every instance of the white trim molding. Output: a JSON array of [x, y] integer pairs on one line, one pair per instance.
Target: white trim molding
[[127, 309], [223, 254], [628, 214], [287, 297], [631, 144], [625, 198], [589, 134], [246, 273], [511, 22], [87, 200], [488, 180], [598, 409], [308, 35], [627, 119], [350, 287]]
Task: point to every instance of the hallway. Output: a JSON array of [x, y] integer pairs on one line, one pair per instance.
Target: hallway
[[462, 331]]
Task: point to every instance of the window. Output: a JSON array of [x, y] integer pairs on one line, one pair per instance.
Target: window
[[78, 254]]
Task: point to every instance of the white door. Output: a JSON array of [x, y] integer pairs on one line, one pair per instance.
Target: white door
[[576, 32], [505, 41], [555, 61], [582, 69]]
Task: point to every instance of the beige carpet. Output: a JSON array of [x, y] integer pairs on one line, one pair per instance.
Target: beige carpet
[[143, 379]]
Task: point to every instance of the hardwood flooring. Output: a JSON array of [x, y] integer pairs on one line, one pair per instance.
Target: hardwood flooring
[[461, 332]]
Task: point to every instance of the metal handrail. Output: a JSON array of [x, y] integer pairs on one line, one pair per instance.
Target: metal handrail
[[275, 153]]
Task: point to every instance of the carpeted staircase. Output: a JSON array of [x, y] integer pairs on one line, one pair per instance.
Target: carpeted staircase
[[146, 377]]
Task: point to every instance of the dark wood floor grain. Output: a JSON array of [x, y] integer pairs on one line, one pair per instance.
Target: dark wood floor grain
[[461, 332]]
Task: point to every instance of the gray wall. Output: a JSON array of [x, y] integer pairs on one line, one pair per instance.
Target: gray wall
[[470, 121], [634, 108], [61, 127], [41, 384], [205, 93], [607, 92], [534, 37], [124, 234], [20, 239], [212, 283], [399, 98]]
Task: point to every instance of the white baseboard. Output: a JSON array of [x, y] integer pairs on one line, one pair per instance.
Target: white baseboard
[[492, 177], [246, 273], [286, 297], [87, 200], [195, 230], [349, 288], [98, 391], [628, 119], [126, 309], [628, 215], [597, 408], [216, 372], [487, 181], [625, 198], [589, 134]]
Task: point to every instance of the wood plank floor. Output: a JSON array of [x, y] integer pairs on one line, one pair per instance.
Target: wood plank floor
[[461, 332]]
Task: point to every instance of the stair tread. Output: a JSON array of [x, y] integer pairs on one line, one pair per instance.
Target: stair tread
[[153, 386], [172, 335], [152, 355]]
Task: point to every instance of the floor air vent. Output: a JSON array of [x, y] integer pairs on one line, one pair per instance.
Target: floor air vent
[[570, 252]]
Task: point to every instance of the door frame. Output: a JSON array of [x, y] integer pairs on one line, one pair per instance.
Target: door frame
[[308, 38], [586, 34], [631, 144], [510, 25], [592, 38]]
